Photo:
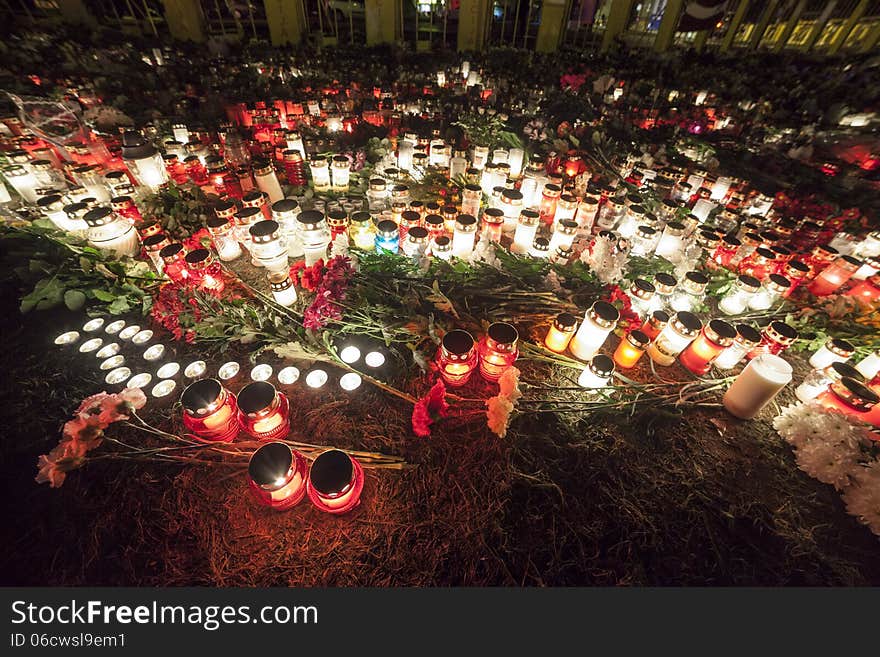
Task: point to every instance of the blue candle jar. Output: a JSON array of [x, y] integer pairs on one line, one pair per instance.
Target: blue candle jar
[[387, 236]]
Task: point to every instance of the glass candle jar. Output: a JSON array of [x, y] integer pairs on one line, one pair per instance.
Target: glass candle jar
[[144, 161], [737, 298], [337, 221], [457, 357], [526, 228], [387, 237], [690, 293], [464, 235], [676, 335], [23, 181], [221, 178], [835, 350], [563, 234], [492, 224], [849, 397], [267, 248], [747, 338], [498, 350], [664, 288], [834, 276], [561, 332], [817, 381], [362, 231], [204, 271], [511, 206], [716, 336], [540, 248], [641, 294], [869, 366], [487, 179], [644, 241], [670, 243], [283, 290], [314, 235], [52, 206], [320, 169], [416, 243], [221, 229], [408, 219], [630, 349], [210, 411], [775, 338], [867, 290], [263, 411], [259, 200], [109, 232], [597, 373], [125, 207], [377, 195], [267, 181], [277, 476], [336, 481], [598, 322], [870, 267], [774, 286], [756, 386], [152, 246], [586, 214], [285, 212], [173, 263], [341, 172], [566, 208], [549, 201], [75, 216], [655, 323], [441, 247]]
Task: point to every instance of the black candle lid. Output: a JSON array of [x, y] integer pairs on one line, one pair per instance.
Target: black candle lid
[[98, 216], [665, 279], [310, 217], [170, 250], [263, 229], [331, 473], [270, 463], [217, 221], [466, 220], [502, 333], [255, 397], [360, 217], [410, 217], [458, 342], [200, 396], [154, 240], [284, 205], [254, 196]]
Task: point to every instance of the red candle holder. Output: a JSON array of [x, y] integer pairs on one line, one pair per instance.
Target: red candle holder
[[210, 411], [204, 271], [173, 262], [498, 350], [124, 206], [336, 481], [195, 170], [263, 411], [849, 397], [655, 323], [775, 338], [726, 250], [759, 264], [457, 357], [716, 336], [796, 272], [277, 476], [259, 200], [833, 277], [866, 290]]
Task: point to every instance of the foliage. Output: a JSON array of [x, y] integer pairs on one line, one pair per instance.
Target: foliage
[[487, 129]]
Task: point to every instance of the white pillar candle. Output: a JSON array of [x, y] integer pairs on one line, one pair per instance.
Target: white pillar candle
[[405, 154], [515, 160], [757, 385]]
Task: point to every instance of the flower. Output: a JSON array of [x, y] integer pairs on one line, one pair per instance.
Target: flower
[[508, 384], [49, 472], [862, 499], [134, 396], [429, 409], [498, 415]]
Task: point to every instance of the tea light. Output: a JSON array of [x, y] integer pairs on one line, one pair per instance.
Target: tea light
[[228, 370], [129, 332], [288, 376], [561, 332], [163, 388], [195, 369], [118, 375], [374, 359], [263, 411], [277, 476], [597, 373], [66, 338], [140, 380], [335, 483], [114, 327], [261, 372], [90, 345], [112, 362], [350, 354], [168, 370], [155, 352], [142, 337], [598, 322], [108, 350], [758, 383], [93, 325], [835, 350], [350, 381], [316, 378], [210, 411]]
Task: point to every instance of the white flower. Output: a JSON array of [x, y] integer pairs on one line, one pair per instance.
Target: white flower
[[340, 246], [863, 497]]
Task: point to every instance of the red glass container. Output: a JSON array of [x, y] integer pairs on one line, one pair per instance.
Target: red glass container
[[819, 258], [833, 277], [149, 228], [259, 200], [655, 323], [549, 199], [492, 224], [195, 170], [175, 168], [124, 206], [263, 411], [457, 357], [338, 222], [204, 271], [277, 476], [336, 481], [294, 168], [408, 219], [867, 290], [716, 336], [210, 411], [849, 397], [435, 225], [796, 272], [775, 338], [726, 250], [759, 264], [173, 261], [498, 350]]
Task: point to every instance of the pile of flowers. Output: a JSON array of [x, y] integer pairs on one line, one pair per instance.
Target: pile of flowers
[[329, 282]]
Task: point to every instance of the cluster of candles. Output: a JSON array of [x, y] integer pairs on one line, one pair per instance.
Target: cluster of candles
[[459, 354]]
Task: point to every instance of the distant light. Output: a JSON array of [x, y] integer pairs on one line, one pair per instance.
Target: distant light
[[93, 325], [108, 350], [67, 338], [350, 381], [350, 354], [115, 327], [142, 337], [375, 359], [129, 331], [261, 372], [113, 362], [316, 378], [288, 376], [155, 352], [90, 345]]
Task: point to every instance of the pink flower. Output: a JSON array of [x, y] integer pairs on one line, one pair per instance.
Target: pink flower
[[430, 408], [134, 396], [74, 428], [49, 472], [91, 404], [498, 415]]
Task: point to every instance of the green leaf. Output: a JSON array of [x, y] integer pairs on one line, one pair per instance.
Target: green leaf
[[119, 306], [103, 295], [74, 299]]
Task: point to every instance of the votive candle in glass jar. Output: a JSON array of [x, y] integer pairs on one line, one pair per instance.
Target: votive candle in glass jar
[[457, 357], [498, 350], [670, 243], [320, 172], [337, 221], [775, 338], [737, 298], [526, 228], [416, 243], [464, 235], [341, 166], [630, 349], [75, 213], [598, 322], [492, 224], [561, 332], [563, 234], [22, 180], [850, 397], [267, 180], [726, 250], [377, 195], [387, 237], [869, 366], [257, 199], [267, 248], [597, 373], [641, 294], [566, 208], [336, 481], [716, 336], [204, 271], [664, 286], [759, 264], [689, 295], [285, 212], [655, 323], [549, 200], [125, 207], [834, 276], [756, 386], [746, 339], [644, 241], [869, 268], [221, 229], [511, 206], [471, 198], [283, 290], [774, 286], [173, 263], [210, 411], [441, 247], [408, 219], [487, 179], [52, 206], [263, 411], [277, 476], [676, 335], [362, 231], [144, 161], [817, 381], [540, 248], [867, 290], [109, 232], [244, 220], [796, 272], [314, 235], [152, 246], [835, 350]]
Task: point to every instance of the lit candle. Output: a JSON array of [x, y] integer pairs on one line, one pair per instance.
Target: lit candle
[[670, 244], [834, 276], [597, 373], [277, 476], [441, 247], [320, 172], [464, 235], [716, 336], [869, 366], [107, 231], [817, 381], [457, 357], [341, 172], [737, 298], [746, 339], [498, 350], [335, 482], [774, 286], [210, 411], [144, 161], [221, 229], [263, 412], [526, 228], [282, 288], [835, 350], [598, 322], [850, 397], [655, 323], [561, 332], [775, 338], [630, 349], [867, 290], [387, 237], [758, 383], [675, 336]]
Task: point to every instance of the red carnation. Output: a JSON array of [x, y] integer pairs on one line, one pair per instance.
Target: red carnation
[[430, 408]]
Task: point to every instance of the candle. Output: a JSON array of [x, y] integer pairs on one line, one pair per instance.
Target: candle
[[320, 173], [835, 350], [210, 411], [140, 380], [442, 247], [526, 228], [737, 298], [498, 350], [341, 172], [716, 336], [675, 336], [774, 286], [263, 412], [457, 357], [598, 322], [597, 373], [775, 338], [195, 369], [118, 375], [756, 386], [549, 200], [23, 181], [464, 235], [689, 295], [288, 375], [850, 397], [221, 229], [867, 290], [277, 476], [335, 482], [144, 161], [670, 244], [282, 288], [267, 248], [107, 231], [869, 366], [655, 323], [387, 237], [511, 204], [316, 378], [817, 381], [561, 332], [630, 349], [267, 181], [746, 339], [834, 276], [228, 370]]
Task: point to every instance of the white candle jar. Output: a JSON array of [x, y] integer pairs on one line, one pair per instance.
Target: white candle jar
[[480, 157], [23, 181], [817, 381], [515, 160], [320, 169], [47, 175], [244, 219], [471, 198], [144, 161], [747, 338], [526, 229], [835, 350], [314, 235], [756, 386], [563, 235], [441, 247], [641, 294], [598, 322], [267, 246], [487, 179], [770, 292], [341, 172], [566, 208], [670, 244], [598, 372], [109, 232], [53, 207], [869, 366], [90, 177], [676, 335], [285, 212], [464, 235], [283, 290], [737, 298], [416, 242], [267, 181], [644, 241], [511, 205], [690, 293]]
